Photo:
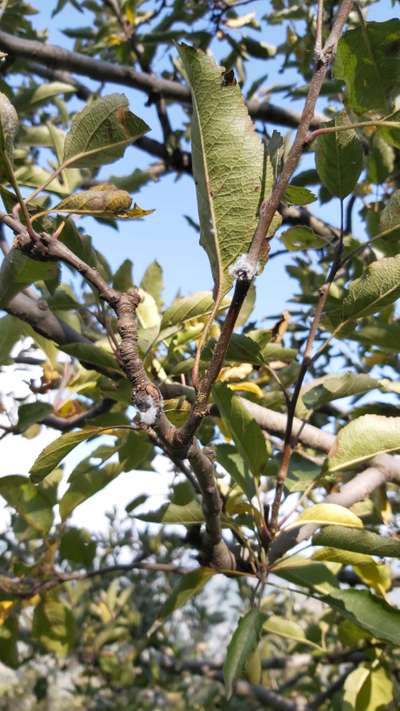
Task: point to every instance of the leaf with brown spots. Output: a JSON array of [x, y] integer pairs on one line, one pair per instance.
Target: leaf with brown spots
[[100, 133]]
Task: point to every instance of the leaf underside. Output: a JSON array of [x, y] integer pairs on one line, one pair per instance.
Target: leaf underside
[[231, 169]]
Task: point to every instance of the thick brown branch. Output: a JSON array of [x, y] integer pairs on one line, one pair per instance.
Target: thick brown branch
[[65, 424], [38, 315], [219, 553], [59, 58], [145, 395], [383, 468], [25, 588]]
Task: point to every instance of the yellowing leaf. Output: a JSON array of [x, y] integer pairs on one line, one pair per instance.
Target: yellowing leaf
[[5, 609], [376, 575], [325, 514], [70, 408], [362, 439], [236, 372], [104, 197], [235, 23], [287, 628], [114, 39], [105, 201], [247, 387]]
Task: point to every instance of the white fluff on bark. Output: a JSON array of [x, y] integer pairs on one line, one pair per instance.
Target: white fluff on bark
[[150, 414], [242, 268]]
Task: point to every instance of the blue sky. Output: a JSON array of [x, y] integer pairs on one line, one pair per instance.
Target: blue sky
[[165, 235]]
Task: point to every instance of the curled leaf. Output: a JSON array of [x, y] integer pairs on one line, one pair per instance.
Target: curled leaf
[[105, 201]]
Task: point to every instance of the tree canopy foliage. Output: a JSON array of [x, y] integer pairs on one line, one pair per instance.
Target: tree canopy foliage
[[267, 578]]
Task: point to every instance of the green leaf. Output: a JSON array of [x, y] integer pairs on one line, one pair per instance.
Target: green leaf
[[229, 457], [378, 286], [11, 330], [136, 451], [288, 629], [18, 271], [52, 455], [301, 474], [185, 309], [370, 612], [380, 159], [71, 177], [362, 439], [374, 575], [324, 514], [231, 169], [45, 92], [9, 642], [243, 349], [123, 279], [242, 645], [88, 482], [390, 215], [368, 688], [29, 501], [187, 587], [53, 626], [100, 133], [297, 195], [367, 59], [306, 573], [247, 434], [338, 158], [190, 513], [90, 354], [8, 127], [358, 541], [152, 282], [332, 387], [301, 237], [78, 546], [31, 413]]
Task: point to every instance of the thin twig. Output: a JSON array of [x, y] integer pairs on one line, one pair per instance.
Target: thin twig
[[308, 358], [267, 212]]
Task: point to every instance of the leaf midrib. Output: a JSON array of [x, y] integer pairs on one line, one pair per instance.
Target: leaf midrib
[[210, 202]]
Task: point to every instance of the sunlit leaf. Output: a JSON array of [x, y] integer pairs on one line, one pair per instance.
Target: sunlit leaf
[[288, 629], [367, 59], [231, 169], [324, 514], [362, 439], [378, 286], [52, 455], [100, 133]]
